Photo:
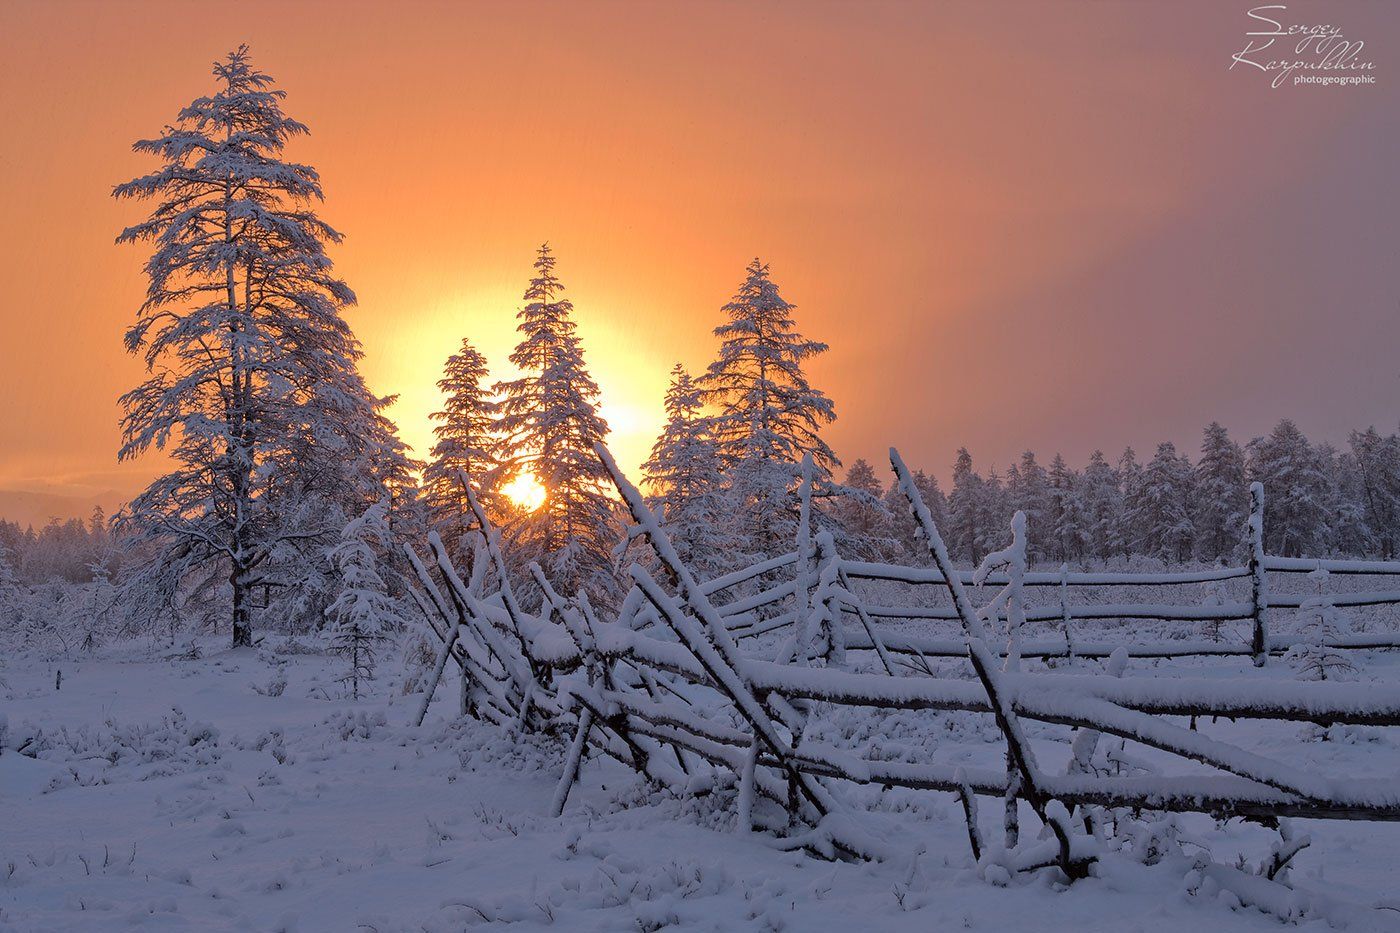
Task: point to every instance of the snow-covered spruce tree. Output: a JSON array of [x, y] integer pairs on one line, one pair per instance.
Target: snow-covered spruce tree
[[865, 527], [1320, 622], [1028, 490], [966, 511], [996, 511], [466, 444], [1377, 460], [1067, 514], [549, 424], [1295, 490], [1160, 509], [1125, 533], [902, 527], [253, 389], [768, 416], [363, 614], [686, 482], [1346, 530], [1103, 503], [1221, 500]]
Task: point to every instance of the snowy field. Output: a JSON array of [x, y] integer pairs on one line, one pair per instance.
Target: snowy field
[[176, 794]]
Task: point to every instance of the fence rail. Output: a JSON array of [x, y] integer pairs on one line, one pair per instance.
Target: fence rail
[[662, 686], [747, 622], [866, 570]]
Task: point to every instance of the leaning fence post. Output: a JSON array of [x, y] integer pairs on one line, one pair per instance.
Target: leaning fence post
[[802, 592], [1011, 801], [974, 632], [746, 787], [1259, 596], [464, 693], [969, 805], [1064, 608], [438, 665]]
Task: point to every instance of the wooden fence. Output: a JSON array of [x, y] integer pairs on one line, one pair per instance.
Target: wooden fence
[[1255, 610], [663, 686]]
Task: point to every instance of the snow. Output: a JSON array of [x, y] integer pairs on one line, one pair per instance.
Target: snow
[[651, 722], [1370, 703], [252, 812], [875, 571]]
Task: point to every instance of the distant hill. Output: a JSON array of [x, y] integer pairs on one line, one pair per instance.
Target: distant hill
[[25, 507]]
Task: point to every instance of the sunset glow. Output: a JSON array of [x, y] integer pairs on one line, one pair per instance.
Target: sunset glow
[[646, 439], [525, 491], [631, 374], [915, 236]]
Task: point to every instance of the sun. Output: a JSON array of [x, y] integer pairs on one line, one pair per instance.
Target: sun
[[525, 491]]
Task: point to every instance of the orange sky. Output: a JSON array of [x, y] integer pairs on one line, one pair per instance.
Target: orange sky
[[1056, 225]]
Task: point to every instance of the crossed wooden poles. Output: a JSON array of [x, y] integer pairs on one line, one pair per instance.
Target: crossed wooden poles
[[618, 690]]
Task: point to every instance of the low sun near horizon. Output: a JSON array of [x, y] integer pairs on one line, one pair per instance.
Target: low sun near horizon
[[914, 236]]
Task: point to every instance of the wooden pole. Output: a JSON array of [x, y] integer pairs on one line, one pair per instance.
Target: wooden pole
[[858, 605], [1019, 750], [706, 637], [746, 788], [1064, 608], [572, 763], [969, 805], [1259, 596], [440, 663]]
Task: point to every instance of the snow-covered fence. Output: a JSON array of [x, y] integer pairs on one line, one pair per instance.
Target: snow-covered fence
[[662, 685], [1253, 610]]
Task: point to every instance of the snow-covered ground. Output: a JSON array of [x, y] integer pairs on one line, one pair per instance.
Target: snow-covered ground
[[173, 793]]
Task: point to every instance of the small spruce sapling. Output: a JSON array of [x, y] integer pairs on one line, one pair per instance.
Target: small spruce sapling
[[363, 612], [1321, 622]]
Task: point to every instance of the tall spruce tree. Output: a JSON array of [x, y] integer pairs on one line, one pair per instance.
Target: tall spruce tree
[[1103, 503], [1160, 508], [1028, 489], [1295, 490], [549, 424], [966, 511], [1125, 533], [465, 445], [685, 480], [767, 414], [1221, 500], [253, 389], [1377, 459], [1067, 514], [1346, 530]]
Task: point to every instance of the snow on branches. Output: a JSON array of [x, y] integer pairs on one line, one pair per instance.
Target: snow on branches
[[549, 424], [253, 387], [363, 614]]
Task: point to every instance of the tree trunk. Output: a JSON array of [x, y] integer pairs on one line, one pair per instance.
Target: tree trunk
[[1012, 822], [242, 618]]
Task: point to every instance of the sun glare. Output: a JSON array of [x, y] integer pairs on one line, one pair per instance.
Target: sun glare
[[525, 491]]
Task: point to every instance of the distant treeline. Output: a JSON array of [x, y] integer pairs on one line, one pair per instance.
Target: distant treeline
[[290, 495], [1319, 501], [74, 551]]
